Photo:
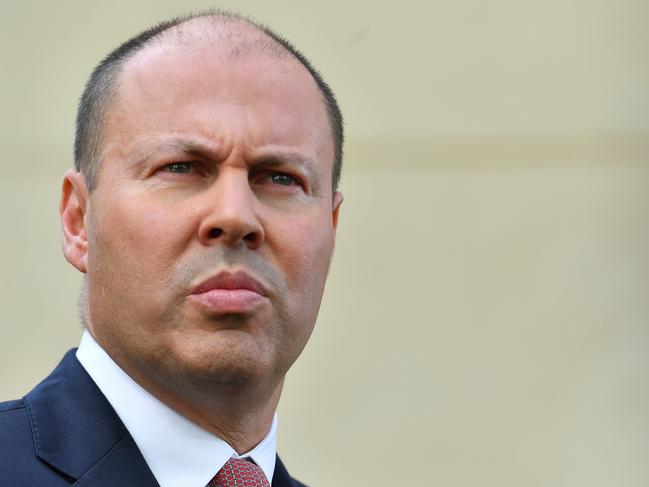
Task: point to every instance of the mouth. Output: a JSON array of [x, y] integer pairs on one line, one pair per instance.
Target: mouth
[[230, 293]]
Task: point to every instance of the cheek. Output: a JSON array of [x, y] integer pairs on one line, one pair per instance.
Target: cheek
[[306, 254], [136, 243]]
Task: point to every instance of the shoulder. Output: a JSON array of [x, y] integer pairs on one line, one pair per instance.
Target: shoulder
[[20, 465], [19, 436], [13, 419], [11, 405], [15, 431]]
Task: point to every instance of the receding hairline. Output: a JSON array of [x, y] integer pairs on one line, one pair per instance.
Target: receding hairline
[[227, 40], [220, 32]]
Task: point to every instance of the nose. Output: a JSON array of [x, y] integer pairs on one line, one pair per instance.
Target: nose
[[229, 213]]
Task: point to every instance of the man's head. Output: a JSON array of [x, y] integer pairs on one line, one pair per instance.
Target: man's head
[[208, 230]]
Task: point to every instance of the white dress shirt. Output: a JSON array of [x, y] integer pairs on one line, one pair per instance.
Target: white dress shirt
[[178, 452]]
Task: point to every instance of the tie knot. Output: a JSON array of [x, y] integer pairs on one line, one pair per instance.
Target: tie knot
[[239, 472]]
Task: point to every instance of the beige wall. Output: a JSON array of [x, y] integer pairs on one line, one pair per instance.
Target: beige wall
[[487, 316]]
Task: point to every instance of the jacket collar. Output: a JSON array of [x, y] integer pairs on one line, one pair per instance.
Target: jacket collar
[[77, 432]]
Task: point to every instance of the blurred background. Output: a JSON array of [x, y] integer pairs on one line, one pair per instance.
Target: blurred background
[[486, 321]]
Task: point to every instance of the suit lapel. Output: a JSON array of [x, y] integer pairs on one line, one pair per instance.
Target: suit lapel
[[118, 468], [77, 432]]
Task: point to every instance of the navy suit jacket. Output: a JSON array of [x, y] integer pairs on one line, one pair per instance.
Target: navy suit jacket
[[65, 432]]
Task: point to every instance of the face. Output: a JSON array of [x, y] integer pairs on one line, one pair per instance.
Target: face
[[208, 237]]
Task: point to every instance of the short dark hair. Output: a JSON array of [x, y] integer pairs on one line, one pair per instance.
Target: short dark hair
[[103, 83]]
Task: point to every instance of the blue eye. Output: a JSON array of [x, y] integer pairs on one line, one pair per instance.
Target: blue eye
[[283, 179], [179, 167]]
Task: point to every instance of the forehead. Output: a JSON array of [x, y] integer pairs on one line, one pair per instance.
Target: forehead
[[215, 82]]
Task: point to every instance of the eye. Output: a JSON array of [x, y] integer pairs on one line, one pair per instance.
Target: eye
[[179, 167], [282, 179]]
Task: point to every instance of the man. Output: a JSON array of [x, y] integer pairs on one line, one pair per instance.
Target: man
[[202, 212]]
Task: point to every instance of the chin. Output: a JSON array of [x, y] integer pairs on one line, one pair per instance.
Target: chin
[[230, 357]]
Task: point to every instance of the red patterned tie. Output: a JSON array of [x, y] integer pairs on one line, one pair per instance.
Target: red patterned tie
[[239, 472]]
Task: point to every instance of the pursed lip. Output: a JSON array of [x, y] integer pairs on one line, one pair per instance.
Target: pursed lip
[[229, 281], [229, 293]]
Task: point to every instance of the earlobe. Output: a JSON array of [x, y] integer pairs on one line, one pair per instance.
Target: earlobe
[[337, 201], [73, 210]]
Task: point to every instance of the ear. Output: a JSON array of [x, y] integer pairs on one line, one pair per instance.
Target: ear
[[338, 199], [73, 211]]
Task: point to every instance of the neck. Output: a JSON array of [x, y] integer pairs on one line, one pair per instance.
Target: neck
[[240, 415], [242, 418]]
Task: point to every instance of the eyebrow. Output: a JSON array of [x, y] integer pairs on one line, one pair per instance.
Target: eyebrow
[[187, 146]]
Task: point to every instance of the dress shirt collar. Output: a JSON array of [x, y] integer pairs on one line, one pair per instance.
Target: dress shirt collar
[[178, 452]]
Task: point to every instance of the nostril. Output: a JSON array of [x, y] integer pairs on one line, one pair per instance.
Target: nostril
[[215, 232], [250, 237]]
